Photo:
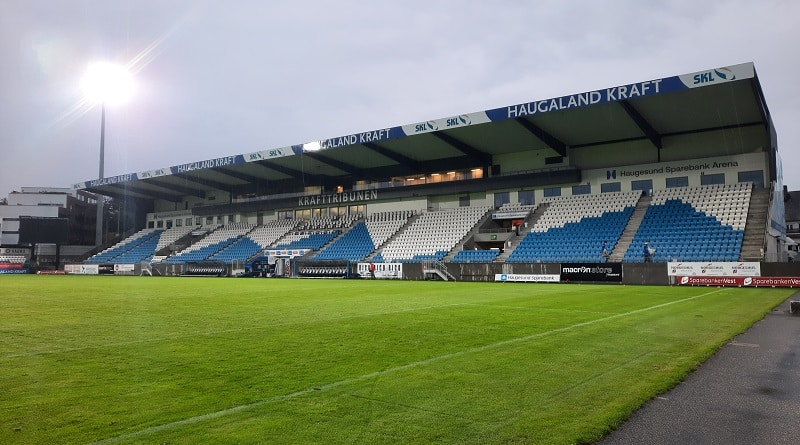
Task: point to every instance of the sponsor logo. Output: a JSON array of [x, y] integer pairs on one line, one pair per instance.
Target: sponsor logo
[[151, 173], [360, 138], [529, 278], [725, 73], [589, 270], [338, 198], [202, 165], [739, 281], [714, 76], [426, 126], [611, 174], [458, 121], [112, 180], [265, 154]]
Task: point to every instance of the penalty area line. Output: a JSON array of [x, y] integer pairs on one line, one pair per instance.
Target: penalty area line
[[372, 375]]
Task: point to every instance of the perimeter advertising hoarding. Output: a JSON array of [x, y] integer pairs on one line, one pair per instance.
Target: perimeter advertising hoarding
[[608, 272], [739, 281], [527, 278], [284, 253], [15, 251], [82, 269], [386, 271], [714, 269], [9, 268]]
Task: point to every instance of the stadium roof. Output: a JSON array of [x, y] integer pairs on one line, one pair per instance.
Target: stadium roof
[[648, 111]]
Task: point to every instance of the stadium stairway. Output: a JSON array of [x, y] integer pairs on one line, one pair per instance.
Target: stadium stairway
[[177, 245], [467, 238], [681, 232], [754, 233], [514, 241], [630, 230], [372, 256]]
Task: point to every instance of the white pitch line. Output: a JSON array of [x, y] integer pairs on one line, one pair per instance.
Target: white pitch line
[[535, 308], [235, 409]]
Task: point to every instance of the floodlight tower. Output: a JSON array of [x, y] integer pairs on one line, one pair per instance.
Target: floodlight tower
[[105, 83]]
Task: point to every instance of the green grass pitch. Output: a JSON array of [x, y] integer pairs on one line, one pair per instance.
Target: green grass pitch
[[123, 360]]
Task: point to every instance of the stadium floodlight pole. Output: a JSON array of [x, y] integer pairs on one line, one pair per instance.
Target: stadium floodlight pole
[[105, 83], [98, 234]]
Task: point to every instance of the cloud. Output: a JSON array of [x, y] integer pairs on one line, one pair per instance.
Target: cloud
[[220, 78]]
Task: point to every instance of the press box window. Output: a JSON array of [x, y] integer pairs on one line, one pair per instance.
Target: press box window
[[525, 197], [581, 189], [610, 187], [644, 185], [680, 181], [717, 178], [754, 176], [501, 198], [553, 191]]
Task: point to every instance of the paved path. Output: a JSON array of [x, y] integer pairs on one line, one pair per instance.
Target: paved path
[[747, 393]]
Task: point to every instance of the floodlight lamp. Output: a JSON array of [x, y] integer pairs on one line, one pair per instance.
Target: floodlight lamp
[[107, 83], [312, 146]]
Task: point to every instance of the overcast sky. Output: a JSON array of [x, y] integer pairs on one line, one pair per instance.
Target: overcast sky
[[217, 78]]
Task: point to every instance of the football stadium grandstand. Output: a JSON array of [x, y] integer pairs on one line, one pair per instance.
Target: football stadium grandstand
[[686, 165]]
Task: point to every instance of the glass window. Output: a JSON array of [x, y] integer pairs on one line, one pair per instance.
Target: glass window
[[553, 191], [581, 189], [178, 222], [717, 178], [679, 181], [610, 187], [357, 210], [463, 201], [159, 224], [526, 197], [644, 184], [209, 220], [189, 221], [501, 198], [754, 176]]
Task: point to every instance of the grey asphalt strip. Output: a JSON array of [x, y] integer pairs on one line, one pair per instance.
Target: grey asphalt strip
[[747, 393]]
